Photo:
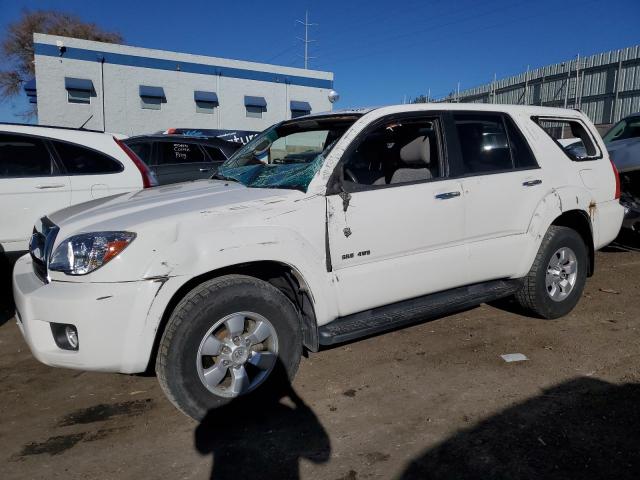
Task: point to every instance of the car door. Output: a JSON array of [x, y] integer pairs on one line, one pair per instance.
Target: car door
[[92, 174], [502, 185], [31, 185], [396, 231], [181, 161]]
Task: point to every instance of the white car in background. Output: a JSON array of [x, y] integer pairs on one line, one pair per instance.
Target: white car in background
[[44, 169]]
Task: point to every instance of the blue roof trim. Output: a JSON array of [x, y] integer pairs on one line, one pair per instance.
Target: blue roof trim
[[201, 96], [297, 106], [254, 101], [155, 92], [174, 65], [78, 84]]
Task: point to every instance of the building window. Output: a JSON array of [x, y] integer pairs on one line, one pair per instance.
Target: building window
[[78, 96], [79, 90], [205, 107], [206, 102], [299, 108], [151, 98], [151, 103], [254, 112], [255, 106]]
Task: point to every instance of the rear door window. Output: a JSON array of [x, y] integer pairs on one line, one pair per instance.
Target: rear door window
[[24, 156], [79, 160], [483, 142], [520, 150], [172, 153]]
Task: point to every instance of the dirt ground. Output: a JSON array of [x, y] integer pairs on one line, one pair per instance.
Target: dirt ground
[[435, 400]]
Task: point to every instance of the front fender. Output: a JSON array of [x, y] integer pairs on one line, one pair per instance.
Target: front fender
[[205, 253]]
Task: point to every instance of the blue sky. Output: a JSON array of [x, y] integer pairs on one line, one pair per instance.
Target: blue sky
[[380, 51]]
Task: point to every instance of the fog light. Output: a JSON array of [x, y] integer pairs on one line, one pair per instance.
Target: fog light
[[65, 335], [72, 336]]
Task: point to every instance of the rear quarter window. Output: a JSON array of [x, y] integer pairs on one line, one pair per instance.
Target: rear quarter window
[[79, 160], [571, 136]]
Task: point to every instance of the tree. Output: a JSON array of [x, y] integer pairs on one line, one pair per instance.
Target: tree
[[16, 49]]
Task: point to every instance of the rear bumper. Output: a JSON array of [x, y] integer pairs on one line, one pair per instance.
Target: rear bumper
[[111, 319], [607, 218]]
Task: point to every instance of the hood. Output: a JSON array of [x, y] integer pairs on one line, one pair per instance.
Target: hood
[[625, 154], [169, 203]]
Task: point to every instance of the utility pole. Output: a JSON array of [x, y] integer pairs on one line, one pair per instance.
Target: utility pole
[[525, 100], [575, 100], [306, 40], [494, 88]]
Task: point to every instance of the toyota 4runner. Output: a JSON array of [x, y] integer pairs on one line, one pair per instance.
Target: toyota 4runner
[[321, 230]]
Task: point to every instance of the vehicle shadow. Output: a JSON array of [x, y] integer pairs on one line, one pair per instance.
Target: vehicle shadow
[[626, 241], [7, 307], [263, 435], [581, 429]]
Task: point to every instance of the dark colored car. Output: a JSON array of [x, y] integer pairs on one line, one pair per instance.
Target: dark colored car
[[623, 144], [179, 158]]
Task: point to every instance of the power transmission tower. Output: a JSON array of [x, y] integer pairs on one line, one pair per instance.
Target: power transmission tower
[[306, 40]]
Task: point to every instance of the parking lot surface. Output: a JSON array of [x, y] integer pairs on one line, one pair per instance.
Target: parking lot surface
[[435, 400]]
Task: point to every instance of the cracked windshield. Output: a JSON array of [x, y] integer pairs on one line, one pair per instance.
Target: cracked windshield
[[287, 155]]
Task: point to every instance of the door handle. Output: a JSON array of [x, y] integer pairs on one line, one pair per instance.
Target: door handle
[[206, 169], [531, 183], [52, 185], [447, 196]]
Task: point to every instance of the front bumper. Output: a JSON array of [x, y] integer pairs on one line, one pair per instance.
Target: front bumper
[[111, 318]]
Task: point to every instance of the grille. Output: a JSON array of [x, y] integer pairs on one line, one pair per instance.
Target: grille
[[40, 245]]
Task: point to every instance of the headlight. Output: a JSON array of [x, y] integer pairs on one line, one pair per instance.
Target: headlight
[[84, 253]]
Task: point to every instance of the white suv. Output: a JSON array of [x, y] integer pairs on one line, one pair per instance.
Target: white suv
[[322, 229], [44, 169]]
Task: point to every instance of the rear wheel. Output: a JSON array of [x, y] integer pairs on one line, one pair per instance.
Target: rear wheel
[[556, 280], [229, 337]]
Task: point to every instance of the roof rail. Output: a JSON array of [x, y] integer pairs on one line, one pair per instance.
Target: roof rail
[[51, 126]]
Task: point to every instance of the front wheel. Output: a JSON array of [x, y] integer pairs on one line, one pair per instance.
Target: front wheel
[[229, 337], [557, 277]]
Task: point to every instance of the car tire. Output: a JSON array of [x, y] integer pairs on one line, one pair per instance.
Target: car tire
[[542, 293], [191, 335]]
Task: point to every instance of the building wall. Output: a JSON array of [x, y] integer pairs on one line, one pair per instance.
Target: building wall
[[605, 86], [122, 103]]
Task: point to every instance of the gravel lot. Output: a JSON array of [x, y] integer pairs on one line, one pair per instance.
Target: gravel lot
[[431, 401]]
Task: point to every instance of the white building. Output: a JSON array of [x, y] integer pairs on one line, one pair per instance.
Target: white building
[[131, 90]]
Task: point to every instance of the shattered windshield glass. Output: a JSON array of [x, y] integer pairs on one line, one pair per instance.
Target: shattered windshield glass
[[287, 155]]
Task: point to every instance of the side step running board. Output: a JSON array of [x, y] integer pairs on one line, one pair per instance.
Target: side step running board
[[403, 313]]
